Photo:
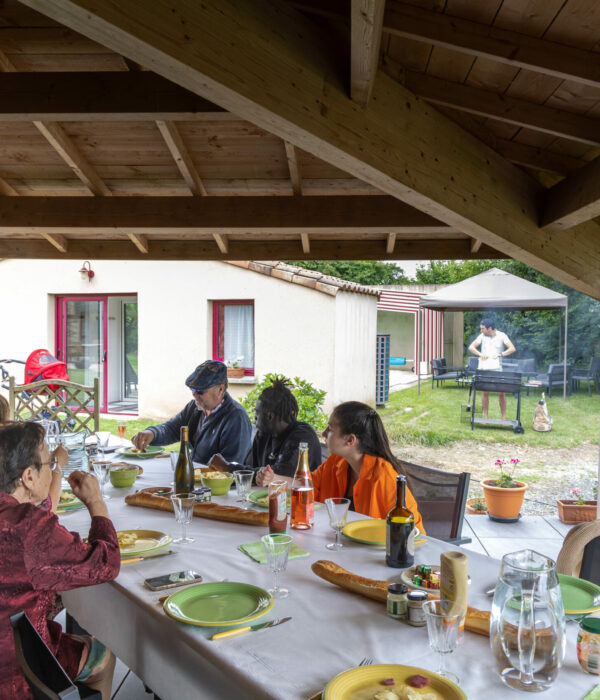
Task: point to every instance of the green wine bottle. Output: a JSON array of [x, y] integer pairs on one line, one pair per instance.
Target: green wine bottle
[[399, 538], [184, 469]]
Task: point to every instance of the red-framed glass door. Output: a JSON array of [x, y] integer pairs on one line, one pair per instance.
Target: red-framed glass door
[[81, 339]]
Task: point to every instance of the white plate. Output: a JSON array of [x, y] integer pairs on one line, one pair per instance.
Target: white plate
[[114, 442]]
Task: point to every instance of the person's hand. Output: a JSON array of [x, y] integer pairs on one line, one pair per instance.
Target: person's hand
[[85, 486], [218, 463], [142, 439], [484, 357], [264, 476], [61, 456]]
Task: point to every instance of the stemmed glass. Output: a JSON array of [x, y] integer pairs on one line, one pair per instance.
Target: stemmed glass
[[243, 483], [102, 472], [337, 509], [103, 436], [442, 631], [183, 507], [277, 549]]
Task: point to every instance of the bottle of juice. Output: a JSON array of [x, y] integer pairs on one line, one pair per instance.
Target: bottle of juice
[[303, 493]]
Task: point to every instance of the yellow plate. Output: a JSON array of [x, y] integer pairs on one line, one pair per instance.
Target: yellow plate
[[146, 541], [366, 531], [363, 682]]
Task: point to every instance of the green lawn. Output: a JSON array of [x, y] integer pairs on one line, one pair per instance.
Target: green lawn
[[133, 427], [433, 418]]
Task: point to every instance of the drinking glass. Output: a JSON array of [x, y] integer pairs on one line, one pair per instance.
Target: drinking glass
[[442, 631], [337, 509], [51, 429], [103, 436], [183, 507], [243, 482], [122, 428], [102, 471], [277, 549]]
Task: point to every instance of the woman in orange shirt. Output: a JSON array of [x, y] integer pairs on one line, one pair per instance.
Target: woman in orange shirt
[[361, 466]]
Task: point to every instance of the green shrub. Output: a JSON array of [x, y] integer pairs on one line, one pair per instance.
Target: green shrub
[[310, 400]]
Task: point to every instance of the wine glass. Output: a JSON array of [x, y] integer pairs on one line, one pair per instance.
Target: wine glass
[[243, 483], [337, 509], [102, 436], [442, 631], [102, 472], [183, 507], [277, 549]]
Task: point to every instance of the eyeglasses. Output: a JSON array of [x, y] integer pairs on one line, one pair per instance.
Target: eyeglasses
[[199, 393], [52, 463]]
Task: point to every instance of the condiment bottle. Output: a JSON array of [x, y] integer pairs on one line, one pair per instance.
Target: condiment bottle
[[588, 644], [454, 583], [184, 469], [303, 492], [399, 526], [416, 614], [277, 506], [397, 601]]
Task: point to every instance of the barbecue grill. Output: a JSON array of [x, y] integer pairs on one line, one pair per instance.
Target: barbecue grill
[[499, 382]]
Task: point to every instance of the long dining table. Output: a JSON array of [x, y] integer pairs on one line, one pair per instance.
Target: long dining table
[[331, 629]]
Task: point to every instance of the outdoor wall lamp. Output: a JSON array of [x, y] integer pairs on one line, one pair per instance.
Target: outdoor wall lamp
[[86, 272]]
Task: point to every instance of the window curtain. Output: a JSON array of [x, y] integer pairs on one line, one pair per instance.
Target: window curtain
[[239, 334]]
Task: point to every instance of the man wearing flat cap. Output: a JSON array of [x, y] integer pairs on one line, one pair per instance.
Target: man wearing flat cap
[[216, 422]]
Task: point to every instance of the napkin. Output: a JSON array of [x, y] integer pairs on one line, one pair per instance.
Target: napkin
[[256, 551]]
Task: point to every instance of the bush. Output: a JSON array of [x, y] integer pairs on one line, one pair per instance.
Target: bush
[[310, 400]]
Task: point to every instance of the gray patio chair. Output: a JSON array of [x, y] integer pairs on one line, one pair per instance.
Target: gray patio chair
[[441, 497], [554, 377], [588, 374], [441, 371]]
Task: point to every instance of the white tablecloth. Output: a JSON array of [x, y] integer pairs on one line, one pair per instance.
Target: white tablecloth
[[331, 629]]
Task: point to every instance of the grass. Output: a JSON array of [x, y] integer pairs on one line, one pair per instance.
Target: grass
[[133, 426], [433, 418]]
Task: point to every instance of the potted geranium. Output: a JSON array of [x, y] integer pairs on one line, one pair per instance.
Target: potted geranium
[[504, 495], [577, 509], [235, 368]]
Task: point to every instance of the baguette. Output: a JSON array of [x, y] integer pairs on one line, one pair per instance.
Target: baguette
[[477, 621], [156, 498]]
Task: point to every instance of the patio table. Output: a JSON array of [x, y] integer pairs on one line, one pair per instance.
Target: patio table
[[331, 629]]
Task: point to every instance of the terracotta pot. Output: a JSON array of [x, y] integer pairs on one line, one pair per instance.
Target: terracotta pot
[[473, 511], [503, 503], [571, 512], [235, 372]]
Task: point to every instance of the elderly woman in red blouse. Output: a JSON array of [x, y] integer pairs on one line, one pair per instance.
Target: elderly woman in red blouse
[[39, 557]]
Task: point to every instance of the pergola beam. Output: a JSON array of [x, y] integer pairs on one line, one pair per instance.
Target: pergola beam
[[294, 168], [140, 242], [58, 241], [573, 200], [366, 19], [181, 156]]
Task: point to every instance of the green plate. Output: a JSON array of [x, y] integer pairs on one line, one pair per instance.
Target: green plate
[[70, 505], [151, 451], [218, 604], [146, 541], [580, 597]]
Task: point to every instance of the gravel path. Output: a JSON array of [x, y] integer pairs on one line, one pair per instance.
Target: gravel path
[[551, 474]]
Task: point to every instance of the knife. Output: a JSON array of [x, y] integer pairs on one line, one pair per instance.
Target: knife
[[132, 560], [253, 628]]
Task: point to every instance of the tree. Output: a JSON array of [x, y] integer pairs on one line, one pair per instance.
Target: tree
[[359, 271], [535, 333]]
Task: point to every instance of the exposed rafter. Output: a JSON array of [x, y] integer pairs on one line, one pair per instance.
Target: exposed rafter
[[305, 240], [294, 168], [475, 245], [366, 19], [5, 64], [58, 241], [390, 243], [222, 242], [7, 190], [182, 158], [573, 200], [140, 242]]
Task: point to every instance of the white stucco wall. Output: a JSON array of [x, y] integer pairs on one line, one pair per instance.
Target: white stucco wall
[[326, 340]]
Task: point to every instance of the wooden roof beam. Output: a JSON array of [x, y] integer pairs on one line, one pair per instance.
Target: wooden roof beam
[[573, 200], [58, 241], [390, 243], [506, 109], [475, 245], [305, 240], [366, 19], [501, 45], [5, 64], [294, 168], [140, 242], [100, 96], [7, 190], [182, 157], [284, 81], [66, 149], [224, 215], [222, 242]]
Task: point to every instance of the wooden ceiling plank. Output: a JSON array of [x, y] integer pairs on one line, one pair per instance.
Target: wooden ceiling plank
[[222, 242], [573, 200], [305, 240], [182, 157], [284, 82], [390, 243], [501, 45], [140, 242], [294, 168], [58, 241], [506, 109], [366, 19], [66, 149]]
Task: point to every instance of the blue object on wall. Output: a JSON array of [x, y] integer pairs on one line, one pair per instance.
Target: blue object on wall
[[382, 369], [395, 361]]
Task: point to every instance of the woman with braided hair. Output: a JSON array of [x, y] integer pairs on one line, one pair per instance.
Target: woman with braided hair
[[361, 466]]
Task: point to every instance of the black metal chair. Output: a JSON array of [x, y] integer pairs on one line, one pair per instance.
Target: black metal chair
[[441, 497], [441, 371], [44, 675], [554, 377], [588, 374]]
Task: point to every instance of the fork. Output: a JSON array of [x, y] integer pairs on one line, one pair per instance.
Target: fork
[[367, 661]]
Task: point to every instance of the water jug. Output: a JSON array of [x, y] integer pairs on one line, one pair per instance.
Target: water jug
[[527, 631], [75, 445]]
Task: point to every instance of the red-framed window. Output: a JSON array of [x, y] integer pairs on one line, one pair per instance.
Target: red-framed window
[[233, 332]]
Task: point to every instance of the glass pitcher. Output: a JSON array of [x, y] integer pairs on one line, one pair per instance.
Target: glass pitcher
[[75, 445], [527, 631]]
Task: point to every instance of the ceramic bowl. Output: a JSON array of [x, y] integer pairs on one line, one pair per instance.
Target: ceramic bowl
[[218, 486], [122, 477]]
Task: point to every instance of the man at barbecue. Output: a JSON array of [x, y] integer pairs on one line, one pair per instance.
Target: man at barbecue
[[217, 423], [493, 346]]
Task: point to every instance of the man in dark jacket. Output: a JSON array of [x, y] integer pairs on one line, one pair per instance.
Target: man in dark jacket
[[216, 422], [279, 434]]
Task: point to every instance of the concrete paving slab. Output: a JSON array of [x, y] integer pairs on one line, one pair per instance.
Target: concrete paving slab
[[558, 525], [474, 546], [132, 689], [497, 547], [533, 526]]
